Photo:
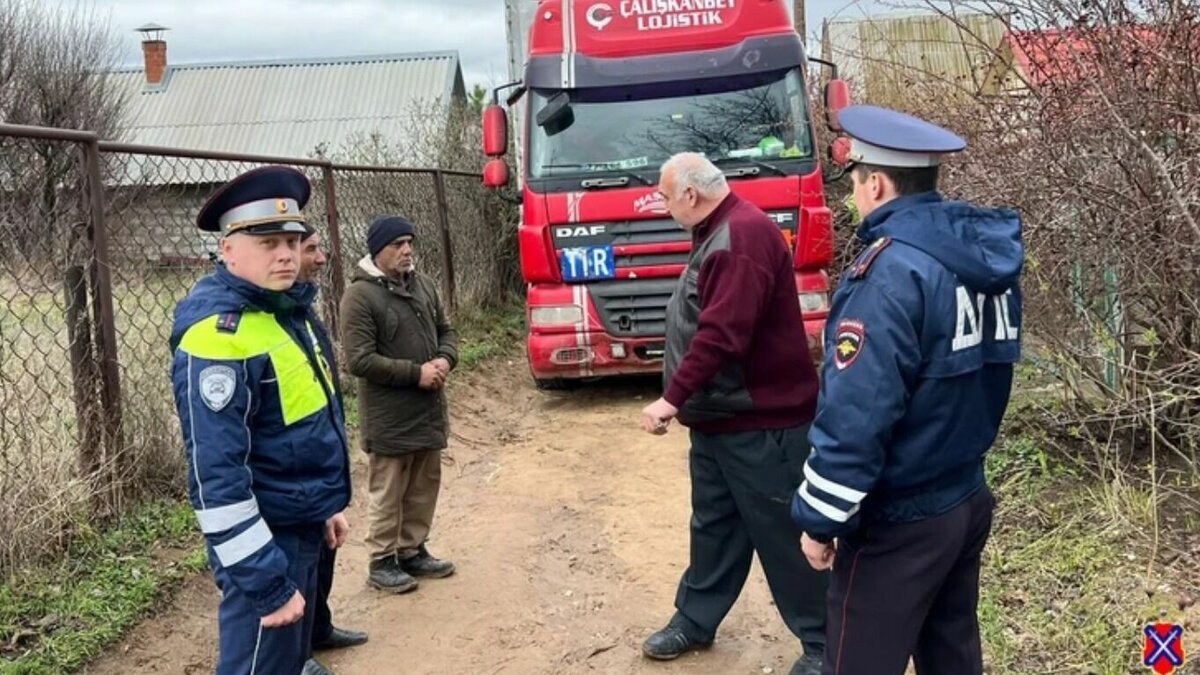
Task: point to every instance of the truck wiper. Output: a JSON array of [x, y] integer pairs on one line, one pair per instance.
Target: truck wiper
[[769, 167], [621, 181]]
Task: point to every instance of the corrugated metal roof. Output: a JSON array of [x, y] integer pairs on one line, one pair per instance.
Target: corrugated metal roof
[[288, 108], [881, 56]]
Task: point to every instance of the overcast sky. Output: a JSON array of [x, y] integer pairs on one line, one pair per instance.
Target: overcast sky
[[223, 30]]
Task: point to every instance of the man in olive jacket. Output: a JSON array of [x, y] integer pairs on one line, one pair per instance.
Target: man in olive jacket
[[399, 345]]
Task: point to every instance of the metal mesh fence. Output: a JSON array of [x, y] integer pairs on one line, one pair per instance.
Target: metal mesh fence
[[483, 239], [47, 366], [97, 245], [364, 195]]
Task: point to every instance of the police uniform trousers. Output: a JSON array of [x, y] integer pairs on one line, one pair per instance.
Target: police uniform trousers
[[910, 589], [323, 617], [742, 487], [249, 649]]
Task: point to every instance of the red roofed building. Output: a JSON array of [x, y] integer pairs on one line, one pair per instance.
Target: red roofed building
[[1037, 59]]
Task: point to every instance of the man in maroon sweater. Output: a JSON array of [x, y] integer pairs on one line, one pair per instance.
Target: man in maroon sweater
[[739, 375]]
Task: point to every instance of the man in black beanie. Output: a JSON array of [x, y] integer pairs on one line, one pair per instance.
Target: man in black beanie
[[400, 347]]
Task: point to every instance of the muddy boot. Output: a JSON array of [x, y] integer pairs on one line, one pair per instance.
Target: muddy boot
[[425, 565], [386, 575]]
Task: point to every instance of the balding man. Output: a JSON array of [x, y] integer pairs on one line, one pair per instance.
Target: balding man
[[739, 376]]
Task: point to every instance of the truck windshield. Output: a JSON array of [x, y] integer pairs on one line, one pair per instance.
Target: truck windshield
[[637, 129]]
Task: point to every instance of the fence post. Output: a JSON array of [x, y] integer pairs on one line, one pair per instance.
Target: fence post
[[83, 371], [106, 329], [336, 269], [439, 186]]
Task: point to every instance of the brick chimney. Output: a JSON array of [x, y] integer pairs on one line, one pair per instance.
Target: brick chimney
[[154, 52]]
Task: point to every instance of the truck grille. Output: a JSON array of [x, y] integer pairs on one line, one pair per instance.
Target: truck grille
[[633, 307], [647, 232], [626, 233]]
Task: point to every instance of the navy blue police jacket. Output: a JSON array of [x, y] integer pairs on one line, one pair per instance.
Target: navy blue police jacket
[[262, 422], [920, 346]]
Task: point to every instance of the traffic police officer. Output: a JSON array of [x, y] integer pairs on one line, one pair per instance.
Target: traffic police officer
[[920, 346], [264, 432]]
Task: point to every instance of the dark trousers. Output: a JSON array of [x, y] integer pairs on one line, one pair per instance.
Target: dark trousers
[[910, 589], [742, 486], [323, 622], [246, 647]]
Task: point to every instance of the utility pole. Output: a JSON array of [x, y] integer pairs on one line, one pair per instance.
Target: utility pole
[[798, 19]]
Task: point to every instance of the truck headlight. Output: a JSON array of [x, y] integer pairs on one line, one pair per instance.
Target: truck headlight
[[814, 302]]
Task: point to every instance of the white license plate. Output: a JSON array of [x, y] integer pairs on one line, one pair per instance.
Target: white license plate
[[588, 263]]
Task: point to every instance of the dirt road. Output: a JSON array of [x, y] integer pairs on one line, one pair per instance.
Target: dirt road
[[569, 529]]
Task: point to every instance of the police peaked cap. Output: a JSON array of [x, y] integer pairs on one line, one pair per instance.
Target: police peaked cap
[[266, 200], [883, 137]]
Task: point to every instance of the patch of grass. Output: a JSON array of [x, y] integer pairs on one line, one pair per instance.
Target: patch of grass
[[488, 333], [55, 618], [1061, 586], [1085, 548], [1056, 594], [1021, 460]]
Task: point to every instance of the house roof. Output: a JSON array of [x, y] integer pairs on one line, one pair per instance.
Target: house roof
[[1063, 56], [880, 54], [286, 107]]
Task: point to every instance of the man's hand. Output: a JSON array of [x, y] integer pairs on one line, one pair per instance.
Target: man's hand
[[431, 378], [287, 615], [657, 416], [443, 366], [820, 556], [336, 529]]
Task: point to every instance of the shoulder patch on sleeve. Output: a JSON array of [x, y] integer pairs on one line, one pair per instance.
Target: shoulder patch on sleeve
[[848, 342], [217, 385], [864, 261], [228, 322]]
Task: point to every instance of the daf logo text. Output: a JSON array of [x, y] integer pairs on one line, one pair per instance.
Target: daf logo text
[[578, 231]]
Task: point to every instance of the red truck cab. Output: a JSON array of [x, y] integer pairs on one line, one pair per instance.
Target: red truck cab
[[611, 90]]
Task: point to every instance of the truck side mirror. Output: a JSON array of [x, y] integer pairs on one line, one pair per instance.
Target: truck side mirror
[[495, 131], [495, 173], [839, 159], [839, 151], [556, 115], [837, 98]]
